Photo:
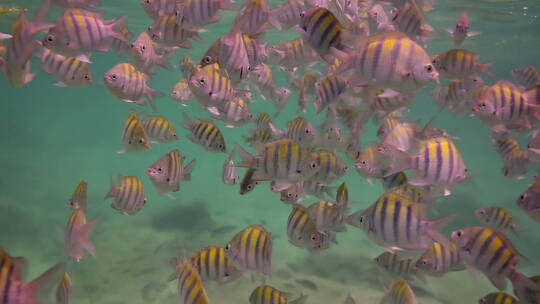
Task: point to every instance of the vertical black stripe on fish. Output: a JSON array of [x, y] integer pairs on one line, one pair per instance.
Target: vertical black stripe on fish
[[439, 158], [497, 254], [277, 159], [395, 223], [382, 219], [506, 263], [426, 160], [485, 246], [247, 246]]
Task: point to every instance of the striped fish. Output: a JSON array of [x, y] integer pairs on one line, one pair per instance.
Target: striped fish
[[251, 249], [266, 294], [69, 70], [372, 163], [293, 194], [342, 196], [399, 293], [398, 223], [84, 31], [248, 183], [516, 160], [534, 144], [321, 30], [526, 75], [533, 94], [19, 50], [287, 14], [64, 290], [187, 65], [263, 78], [438, 259], [128, 84], [413, 193], [390, 101], [293, 54], [328, 216], [394, 180], [458, 94], [129, 197], [253, 17], [305, 85], [181, 92], [438, 163], [281, 160], [401, 268], [122, 46], [390, 60], [459, 64], [15, 291], [168, 172], [259, 137], [299, 130], [158, 8], [378, 20], [492, 253], [167, 32], [79, 199], [527, 295], [159, 129], [234, 113], [402, 137], [302, 231], [387, 124], [78, 235], [328, 91], [497, 218], [528, 201], [410, 19], [230, 173], [331, 166], [146, 54], [190, 284], [262, 120], [205, 133], [134, 137], [257, 53], [194, 14], [498, 298], [232, 54], [210, 87], [213, 264]]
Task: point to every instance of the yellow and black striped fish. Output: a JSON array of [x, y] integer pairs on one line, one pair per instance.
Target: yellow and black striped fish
[[498, 298], [168, 172], [259, 137], [331, 166], [79, 198], [302, 230], [394, 180], [401, 268], [399, 293], [213, 264], [497, 218], [439, 259], [160, 129], [78, 235], [134, 135], [129, 197], [206, 133], [516, 160], [459, 64], [190, 283], [526, 75], [328, 216], [321, 29], [266, 294], [69, 70], [64, 290], [251, 249]]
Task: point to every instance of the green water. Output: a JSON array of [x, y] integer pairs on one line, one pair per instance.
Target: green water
[[52, 138]]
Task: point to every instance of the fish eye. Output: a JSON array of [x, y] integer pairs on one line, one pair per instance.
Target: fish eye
[[228, 247], [86, 77], [226, 275], [361, 219], [459, 233], [143, 47], [150, 28], [313, 165], [302, 15], [483, 105], [307, 131], [113, 76], [159, 169], [483, 300], [50, 38], [313, 237], [207, 59], [522, 197], [249, 187], [201, 81], [289, 195], [141, 141], [299, 171], [424, 262], [429, 68]]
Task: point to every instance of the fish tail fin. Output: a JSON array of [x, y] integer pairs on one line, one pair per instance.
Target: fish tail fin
[[150, 94], [188, 169], [112, 191], [484, 68], [435, 227], [85, 236], [522, 284], [116, 26], [247, 158], [273, 20], [301, 300], [36, 292]]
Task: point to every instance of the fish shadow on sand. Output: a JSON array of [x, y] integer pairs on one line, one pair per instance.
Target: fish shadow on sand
[[192, 217]]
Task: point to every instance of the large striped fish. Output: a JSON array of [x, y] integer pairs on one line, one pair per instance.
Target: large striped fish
[[213, 264], [492, 253], [64, 290], [205, 133], [459, 64], [251, 249], [439, 259], [190, 283], [497, 218], [390, 60], [128, 84], [69, 70], [129, 197], [266, 294], [167, 32], [159, 129], [302, 230], [15, 291], [400, 293], [397, 223], [134, 137], [78, 235], [331, 166], [168, 172], [79, 199], [282, 160]]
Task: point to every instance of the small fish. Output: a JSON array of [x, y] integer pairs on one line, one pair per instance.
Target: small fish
[[292, 55], [328, 216], [210, 87], [158, 8], [259, 137], [234, 113], [372, 163], [305, 85], [205, 133], [122, 46], [251, 249], [302, 231], [64, 290], [390, 222], [248, 183], [387, 124], [15, 291], [181, 92], [287, 14], [187, 65], [129, 197], [167, 32], [253, 17], [458, 94], [78, 235], [399, 293], [438, 259], [496, 218], [69, 70], [378, 20], [529, 201], [342, 196], [128, 84], [230, 173], [415, 194], [159, 129], [190, 283], [461, 31], [263, 78], [266, 294], [263, 119], [492, 253], [394, 180], [134, 137], [300, 190], [293, 194], [403, 137], [79, 199], [299, 130], [232, 53], [282, 160], [168, 172], [527, 76], [321, 30], [459, 64], [331, 166], [389, 101], [213, 264], [410, 19], [328, 91], [195, 14], [498, 298], [146, 54], [401, 268]]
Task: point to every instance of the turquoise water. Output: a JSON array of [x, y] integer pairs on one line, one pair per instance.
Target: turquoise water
[[54, 137]]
